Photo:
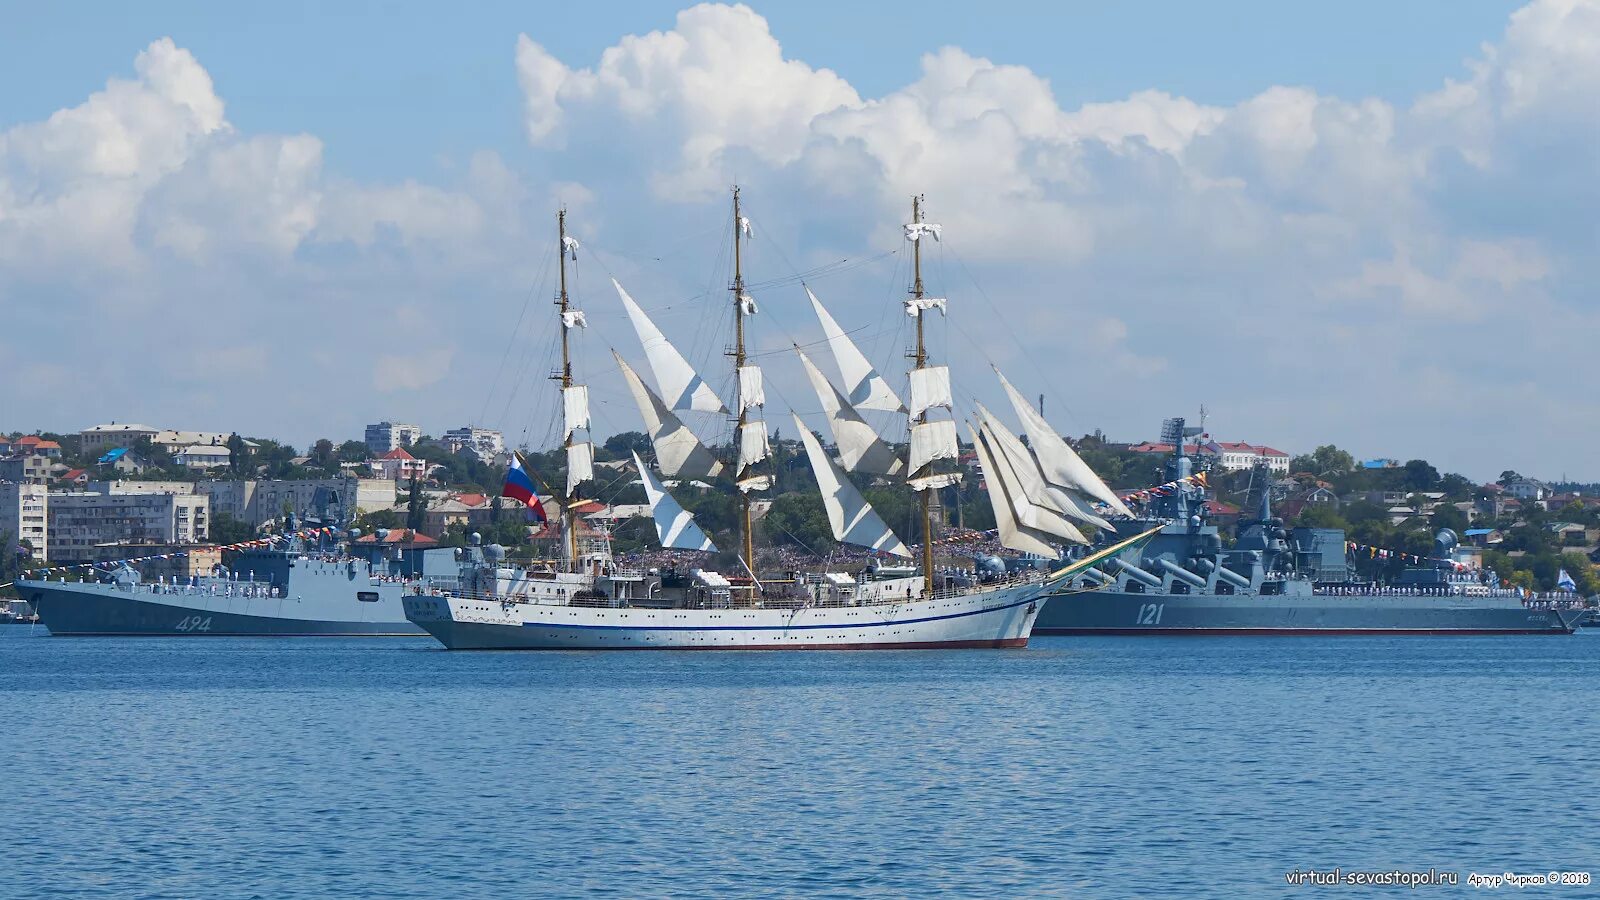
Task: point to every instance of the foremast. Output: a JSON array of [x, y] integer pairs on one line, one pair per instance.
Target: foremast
[[574, 399]]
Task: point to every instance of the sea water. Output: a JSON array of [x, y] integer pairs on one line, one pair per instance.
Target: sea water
[[1117, 767]]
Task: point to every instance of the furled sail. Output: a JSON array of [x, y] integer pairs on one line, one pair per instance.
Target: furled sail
[[1034, 508], [678, 381], [864, 387], [675, 526], [849, 514], [1013, 534], [932, 440], [580, 465], [753, 444], [751, 390], [679, 454], [575, 407], [1059, 463], [860, 447], [1032, 481], [930, 388]]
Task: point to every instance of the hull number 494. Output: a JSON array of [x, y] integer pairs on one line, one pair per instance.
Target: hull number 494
[[194, 623]]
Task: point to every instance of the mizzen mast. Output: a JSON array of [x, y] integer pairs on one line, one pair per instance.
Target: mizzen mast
[[920, 361]]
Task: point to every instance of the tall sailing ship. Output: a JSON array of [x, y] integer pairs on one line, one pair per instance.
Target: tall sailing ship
[[588, 601]]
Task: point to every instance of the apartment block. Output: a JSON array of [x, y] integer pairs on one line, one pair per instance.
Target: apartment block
[[80, 521], [25, 516]]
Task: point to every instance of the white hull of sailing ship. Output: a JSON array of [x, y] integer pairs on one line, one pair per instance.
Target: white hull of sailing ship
[[997, 617]]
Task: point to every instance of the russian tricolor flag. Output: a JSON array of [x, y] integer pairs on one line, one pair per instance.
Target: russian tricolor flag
[[520, 487]]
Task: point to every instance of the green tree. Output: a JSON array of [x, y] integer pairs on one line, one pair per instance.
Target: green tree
[[1419, 475], [238, 453], [323, 456], [415, 506], [618, 446], [353, 451], [800, 520], [1321, 515], [225, 529], [1324, 462]]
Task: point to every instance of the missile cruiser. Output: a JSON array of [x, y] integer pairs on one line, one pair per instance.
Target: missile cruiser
[[294, 590], [1276, 580]]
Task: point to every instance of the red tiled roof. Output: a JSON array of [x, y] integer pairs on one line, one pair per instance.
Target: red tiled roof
[[472, 499], [397, 536], [29, 440], [71, 474], [46, 445], [397, 453]]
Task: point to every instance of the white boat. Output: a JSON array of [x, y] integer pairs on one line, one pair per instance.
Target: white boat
[[587, 602]]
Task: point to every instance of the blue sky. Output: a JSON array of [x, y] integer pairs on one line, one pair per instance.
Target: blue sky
[[393, 88], [1369, 223]]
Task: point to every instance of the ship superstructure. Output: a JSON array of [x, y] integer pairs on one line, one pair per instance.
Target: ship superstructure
[[1275, 580]]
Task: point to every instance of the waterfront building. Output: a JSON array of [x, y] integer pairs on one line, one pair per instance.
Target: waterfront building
[[25, 516], [80, 521], [105, 437], [338, 499], [386, 436]]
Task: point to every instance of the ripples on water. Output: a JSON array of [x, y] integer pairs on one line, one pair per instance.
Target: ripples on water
[[1084, 767]]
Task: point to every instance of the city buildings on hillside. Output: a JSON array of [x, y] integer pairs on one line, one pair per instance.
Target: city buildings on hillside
[[386, 436], [1526, 489], [109, 436], [203, 456], [26, 467], [335, 499], [398, 465], [81, 521], [1229, 456], [484, 443], [142, 487], [123, 460], [25, 517]]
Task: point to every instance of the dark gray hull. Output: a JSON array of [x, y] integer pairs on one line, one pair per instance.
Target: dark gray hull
[[69, 611], [1111, 612]]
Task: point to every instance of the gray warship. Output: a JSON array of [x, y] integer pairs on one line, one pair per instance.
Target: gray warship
[[1276, 581], [300, 589]]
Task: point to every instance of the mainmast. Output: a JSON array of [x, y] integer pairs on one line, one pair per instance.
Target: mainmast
[[920, 361], [740, 472]]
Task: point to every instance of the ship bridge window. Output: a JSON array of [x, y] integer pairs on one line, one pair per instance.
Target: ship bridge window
[[367, 596]]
